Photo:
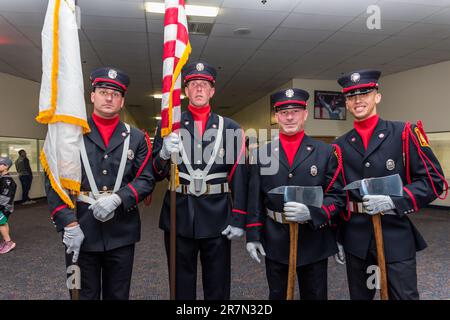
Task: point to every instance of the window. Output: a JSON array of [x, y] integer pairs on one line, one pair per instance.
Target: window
[[440, 143], [9, 147]]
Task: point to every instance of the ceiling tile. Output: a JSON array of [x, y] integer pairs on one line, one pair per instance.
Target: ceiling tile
[[291, 34], [405, 11], [387, 27], [227, 30], [350, 8], [315, 21], [250, 17]]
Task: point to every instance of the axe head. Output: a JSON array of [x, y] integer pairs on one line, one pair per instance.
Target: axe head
[[308, 195], [388, 186]]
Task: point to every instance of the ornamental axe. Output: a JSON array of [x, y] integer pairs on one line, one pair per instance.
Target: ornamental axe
[[310, 196], [388, 186]]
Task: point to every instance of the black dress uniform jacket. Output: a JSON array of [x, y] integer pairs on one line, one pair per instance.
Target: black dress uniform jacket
[[207, 216], [384, 157], [315, 164], [124, 228]]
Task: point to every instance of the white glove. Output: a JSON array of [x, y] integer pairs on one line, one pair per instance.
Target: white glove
[[376, 204], [296, 212], [171, 144], [73, 238], [104, 207], [340, 256], [233, 232], [253, 248]]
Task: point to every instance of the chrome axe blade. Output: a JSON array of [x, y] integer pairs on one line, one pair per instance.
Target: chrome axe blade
[[388, 186], [308, 195]]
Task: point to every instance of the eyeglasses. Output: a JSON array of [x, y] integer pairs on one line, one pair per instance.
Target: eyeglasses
[[105, 93]]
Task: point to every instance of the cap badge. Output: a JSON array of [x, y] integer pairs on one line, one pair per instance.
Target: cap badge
[[112, 74], [355, 77], [200, 66], [289, 93], [313, 171], [390, 164]]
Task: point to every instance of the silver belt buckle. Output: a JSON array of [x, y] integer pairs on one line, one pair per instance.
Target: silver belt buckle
[[197, 186]]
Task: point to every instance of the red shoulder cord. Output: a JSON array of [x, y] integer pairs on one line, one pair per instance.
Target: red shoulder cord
[[408, 134], [148, 199], [338, 170]]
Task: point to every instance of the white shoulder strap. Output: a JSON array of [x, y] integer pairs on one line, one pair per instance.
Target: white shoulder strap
[[123, 160]]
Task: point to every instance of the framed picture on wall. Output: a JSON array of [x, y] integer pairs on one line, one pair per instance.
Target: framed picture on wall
[[272, 116], [329, 105]]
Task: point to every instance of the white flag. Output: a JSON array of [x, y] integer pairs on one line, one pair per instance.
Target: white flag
[[61, 101]]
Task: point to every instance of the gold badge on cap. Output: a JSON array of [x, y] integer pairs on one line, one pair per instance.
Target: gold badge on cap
[[199, 66], [130, 154], [313, 170], [390, 164], [112, 74], [289, 93], [355, 77]]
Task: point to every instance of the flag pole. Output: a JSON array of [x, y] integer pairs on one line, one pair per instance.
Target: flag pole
[[173, 226]]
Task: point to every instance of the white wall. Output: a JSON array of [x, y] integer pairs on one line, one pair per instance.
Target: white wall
[[419, 94], [20, 106], [257, 115], [422, 93]]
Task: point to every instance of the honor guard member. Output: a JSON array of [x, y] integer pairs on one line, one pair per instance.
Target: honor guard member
[[116, 176], [302, 161], [211, 197], [378, 148]]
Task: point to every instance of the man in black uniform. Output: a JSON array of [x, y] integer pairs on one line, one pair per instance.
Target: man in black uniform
[[211, 198], [106, 225], [303, 161], [377, 148]]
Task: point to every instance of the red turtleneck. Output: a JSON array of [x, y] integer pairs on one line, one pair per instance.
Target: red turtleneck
[[365, 128], [291, 144], [106, 127], [200, 116]]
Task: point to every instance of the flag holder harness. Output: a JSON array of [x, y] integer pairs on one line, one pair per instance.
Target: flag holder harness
[[197, 178], [94, 194]]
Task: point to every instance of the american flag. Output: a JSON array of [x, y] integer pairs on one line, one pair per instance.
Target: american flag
[[176, 53]]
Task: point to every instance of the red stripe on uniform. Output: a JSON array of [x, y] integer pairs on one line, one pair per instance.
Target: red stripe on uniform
[[254, 225], [239, 211], [199, 76], [135, 193], [326, 210], [359, 86], [58, 209], [282, 103], [97, 80], [416, 208], [230, 177]]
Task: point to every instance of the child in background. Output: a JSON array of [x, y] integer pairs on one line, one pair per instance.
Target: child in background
[[7, 193]]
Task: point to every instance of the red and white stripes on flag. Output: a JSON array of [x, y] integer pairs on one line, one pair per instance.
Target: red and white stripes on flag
[[176, 53]]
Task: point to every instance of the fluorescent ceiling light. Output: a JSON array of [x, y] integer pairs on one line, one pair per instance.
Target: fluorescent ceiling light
[[157, 117], [191, 10]]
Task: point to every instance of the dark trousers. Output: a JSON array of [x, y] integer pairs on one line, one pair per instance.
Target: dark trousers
[[105, 274], [215, 258], [26, 186], [401, 276], [312, 280]]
